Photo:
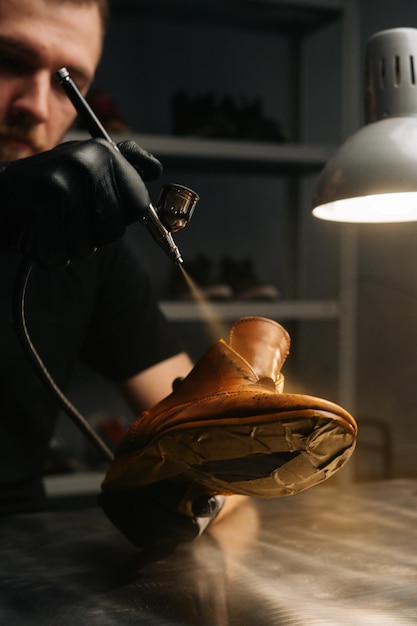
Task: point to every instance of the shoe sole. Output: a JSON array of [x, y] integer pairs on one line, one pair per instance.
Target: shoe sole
[[263, 456]]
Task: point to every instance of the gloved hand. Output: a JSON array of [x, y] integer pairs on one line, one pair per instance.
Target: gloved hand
[[64, 203]]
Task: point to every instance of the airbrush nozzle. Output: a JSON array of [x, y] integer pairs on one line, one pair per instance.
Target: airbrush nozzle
[[161, 235], [179, 260]]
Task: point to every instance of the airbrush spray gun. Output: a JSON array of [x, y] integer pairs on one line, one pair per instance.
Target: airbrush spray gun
[[176, 203]]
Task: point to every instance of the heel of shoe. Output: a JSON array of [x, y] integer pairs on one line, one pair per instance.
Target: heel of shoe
[[263, 343]]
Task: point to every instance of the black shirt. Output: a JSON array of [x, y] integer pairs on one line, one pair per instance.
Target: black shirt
[[100, 310]]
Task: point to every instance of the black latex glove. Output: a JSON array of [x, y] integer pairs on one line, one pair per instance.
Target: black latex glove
[[148, 516], [64, 203]]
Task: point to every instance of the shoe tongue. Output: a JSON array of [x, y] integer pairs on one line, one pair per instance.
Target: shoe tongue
[[263, 343]]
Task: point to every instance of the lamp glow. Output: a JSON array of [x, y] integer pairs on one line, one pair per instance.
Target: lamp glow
[[387, 207]]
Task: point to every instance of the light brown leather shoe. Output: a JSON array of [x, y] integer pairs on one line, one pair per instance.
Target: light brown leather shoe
[[228, 428]]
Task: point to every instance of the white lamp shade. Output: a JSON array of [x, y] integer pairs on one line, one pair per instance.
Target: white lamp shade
[[373, 176]]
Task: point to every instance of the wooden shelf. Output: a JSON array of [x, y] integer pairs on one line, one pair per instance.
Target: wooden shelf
[[68, 485], [181, 311], [281, 156]]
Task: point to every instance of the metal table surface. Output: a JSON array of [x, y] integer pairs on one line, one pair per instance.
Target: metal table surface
[[328, 556]]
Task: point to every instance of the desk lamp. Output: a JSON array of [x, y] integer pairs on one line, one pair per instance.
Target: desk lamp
[[373, 176]]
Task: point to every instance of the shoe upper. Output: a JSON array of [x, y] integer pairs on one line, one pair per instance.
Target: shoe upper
[[227, 385], [257, 350]]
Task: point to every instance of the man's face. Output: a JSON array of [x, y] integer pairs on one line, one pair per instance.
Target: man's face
[[37, 38]]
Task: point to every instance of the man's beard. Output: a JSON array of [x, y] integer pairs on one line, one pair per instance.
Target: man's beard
[[20, 132]]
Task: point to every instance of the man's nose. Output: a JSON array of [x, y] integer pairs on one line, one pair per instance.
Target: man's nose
[[32, 98]]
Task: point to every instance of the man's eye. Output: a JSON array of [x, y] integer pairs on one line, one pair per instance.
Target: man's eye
[[10, 64]]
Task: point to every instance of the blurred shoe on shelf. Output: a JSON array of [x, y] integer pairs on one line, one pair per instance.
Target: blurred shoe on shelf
[[107, 111], [242, 278], [205, 115], [234, 279], [200, 270]]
